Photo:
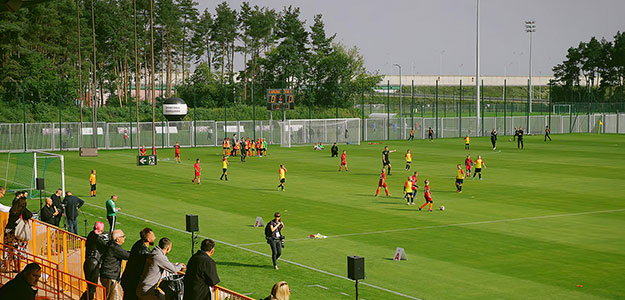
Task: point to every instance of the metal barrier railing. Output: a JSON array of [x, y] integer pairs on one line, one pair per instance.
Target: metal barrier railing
[[53, 283], [55, 244], [221, 293]]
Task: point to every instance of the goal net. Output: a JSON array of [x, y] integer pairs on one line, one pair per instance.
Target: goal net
[[22, 168], [559, 109], [325, 131]]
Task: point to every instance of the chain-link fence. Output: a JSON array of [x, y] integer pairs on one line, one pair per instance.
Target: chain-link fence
[[70, 136]]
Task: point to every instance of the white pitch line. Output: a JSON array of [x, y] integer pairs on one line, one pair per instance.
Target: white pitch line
[[264, 254], [456, 225]]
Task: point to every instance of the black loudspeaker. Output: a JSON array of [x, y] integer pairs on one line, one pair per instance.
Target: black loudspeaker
[[355, 267], [40, 184], [192, 223]]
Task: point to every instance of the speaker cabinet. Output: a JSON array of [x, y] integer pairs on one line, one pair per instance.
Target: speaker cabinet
[[192, 223], [40, 184], [355, 267]]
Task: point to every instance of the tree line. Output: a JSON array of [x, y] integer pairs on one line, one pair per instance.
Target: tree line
[[71, 51], [601, 63]]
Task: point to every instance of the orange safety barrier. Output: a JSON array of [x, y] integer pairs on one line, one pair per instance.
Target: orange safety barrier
[[60, 246], [221, 293], [53, 283]]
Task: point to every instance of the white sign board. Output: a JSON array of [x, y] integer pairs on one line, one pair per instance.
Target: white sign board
[[259, 222], [170, 130], [400, 254], [89, 131]]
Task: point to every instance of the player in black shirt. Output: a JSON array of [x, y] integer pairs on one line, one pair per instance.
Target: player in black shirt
[[430, 133], [519, 144], [385, 161], [493, 138], [547, 131]]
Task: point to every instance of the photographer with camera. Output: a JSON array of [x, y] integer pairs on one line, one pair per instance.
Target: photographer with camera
[[275, 239]]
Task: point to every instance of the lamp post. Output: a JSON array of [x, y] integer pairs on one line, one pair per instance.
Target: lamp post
[[477, 68], [401, 131], [530, 27]]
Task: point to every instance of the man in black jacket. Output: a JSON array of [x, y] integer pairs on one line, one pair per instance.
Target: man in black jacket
[[201, 273], [72, 204], [21, 287], [111, 268], [134, 268], [334, 150], [49, 212], [94, 248], [58, 203]]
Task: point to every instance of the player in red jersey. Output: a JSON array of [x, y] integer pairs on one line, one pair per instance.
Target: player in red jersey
[[143, 150], [343, 161], [382, 183], [197, 169], [468, 163], [177, 153], [427, 195]]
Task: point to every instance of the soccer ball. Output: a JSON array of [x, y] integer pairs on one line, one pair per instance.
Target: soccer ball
[[442, 207]]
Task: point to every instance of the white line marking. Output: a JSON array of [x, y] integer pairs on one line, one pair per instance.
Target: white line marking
[[264, 254], [457, 225], [319, 286]]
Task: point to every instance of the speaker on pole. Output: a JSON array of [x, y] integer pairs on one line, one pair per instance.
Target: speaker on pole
[[41, 185], [192, 223], [356, 269], [193, 227]]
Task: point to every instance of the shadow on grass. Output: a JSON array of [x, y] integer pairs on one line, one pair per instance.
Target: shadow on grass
[[238, 264]]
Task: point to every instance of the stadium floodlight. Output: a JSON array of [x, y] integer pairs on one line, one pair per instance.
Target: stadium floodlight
[[477, 69], [530, 27], [401, 131]]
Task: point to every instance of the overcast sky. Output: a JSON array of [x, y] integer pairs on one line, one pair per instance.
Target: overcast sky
[[428, 37]]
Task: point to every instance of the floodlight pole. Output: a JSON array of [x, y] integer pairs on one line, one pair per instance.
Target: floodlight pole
[[477, 70], [530, 27], [401, 131]]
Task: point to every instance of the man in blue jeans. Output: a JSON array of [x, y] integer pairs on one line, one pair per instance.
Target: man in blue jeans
[[72, 204]]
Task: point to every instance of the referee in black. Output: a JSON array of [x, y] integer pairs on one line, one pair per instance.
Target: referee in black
[[385, 161], [547, 131], [274, 238], [519, 143]]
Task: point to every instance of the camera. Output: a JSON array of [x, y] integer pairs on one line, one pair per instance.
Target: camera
[[282, 241]]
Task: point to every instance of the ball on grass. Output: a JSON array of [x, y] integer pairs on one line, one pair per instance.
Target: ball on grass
[[442, 207]]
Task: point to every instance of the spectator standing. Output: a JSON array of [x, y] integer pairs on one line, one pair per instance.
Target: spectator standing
[[3, 208], [57, 202], [110, 271], [155, 265], [201, 273], [95, 246], [49, 212], [22, 287], [280, 291], [72, 205], [111, 212], [136, 262], [17, 212]]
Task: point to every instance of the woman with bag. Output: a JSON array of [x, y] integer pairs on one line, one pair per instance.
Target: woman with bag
[[18, 231]]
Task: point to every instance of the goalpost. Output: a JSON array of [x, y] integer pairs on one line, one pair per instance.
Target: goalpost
[[22, 168], [561, 109]]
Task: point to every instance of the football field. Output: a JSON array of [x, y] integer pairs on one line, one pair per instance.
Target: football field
[[547, 222]]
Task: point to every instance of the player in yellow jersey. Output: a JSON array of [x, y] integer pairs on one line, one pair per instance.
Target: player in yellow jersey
[[408, 157], [92, 183], [224, 168], [459, 179], [282, 174], [478, 167], [467, 139], [408, 192]]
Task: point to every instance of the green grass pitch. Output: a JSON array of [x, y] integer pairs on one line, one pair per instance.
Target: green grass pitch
[[547, 222]]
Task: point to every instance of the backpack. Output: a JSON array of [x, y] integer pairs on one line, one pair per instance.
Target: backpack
[[268, 231]]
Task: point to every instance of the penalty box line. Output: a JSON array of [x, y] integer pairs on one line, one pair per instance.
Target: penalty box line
[[457, 225], [263, 254]]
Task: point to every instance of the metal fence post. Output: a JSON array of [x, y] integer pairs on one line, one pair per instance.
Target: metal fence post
[[436, 108]]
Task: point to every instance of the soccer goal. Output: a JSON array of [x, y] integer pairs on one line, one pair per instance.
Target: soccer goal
[[559, 109], [22, 168]]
